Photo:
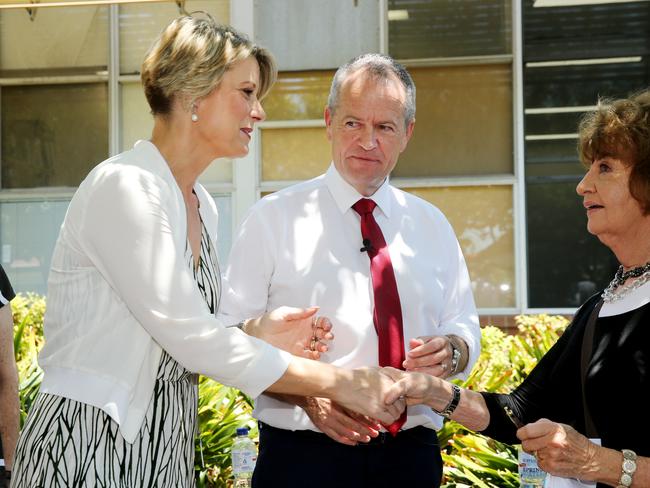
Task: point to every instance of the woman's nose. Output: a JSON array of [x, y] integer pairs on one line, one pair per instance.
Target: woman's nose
[[585, 185], [257, 112]]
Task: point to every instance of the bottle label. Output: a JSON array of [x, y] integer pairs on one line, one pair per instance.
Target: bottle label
[[243, 461], [530, 474]]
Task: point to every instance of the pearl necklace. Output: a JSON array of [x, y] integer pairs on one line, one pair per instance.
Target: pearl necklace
[[616, 290]]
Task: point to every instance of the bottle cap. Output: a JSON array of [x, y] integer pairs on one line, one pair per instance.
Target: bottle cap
[[242, 430]]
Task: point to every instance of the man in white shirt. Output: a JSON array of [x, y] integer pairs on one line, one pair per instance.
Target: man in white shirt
[[306, 246]]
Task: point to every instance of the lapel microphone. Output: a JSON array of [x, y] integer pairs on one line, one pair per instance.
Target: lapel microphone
[[367, 245]]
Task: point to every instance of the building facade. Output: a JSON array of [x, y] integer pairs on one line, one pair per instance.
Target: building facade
[[501, 86]]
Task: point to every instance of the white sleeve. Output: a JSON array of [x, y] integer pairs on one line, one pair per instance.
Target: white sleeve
[[129, 226], [459, 316], [250, 270]]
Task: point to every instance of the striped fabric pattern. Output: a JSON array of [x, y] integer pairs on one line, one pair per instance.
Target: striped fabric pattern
[[6, 291], [69, 444]]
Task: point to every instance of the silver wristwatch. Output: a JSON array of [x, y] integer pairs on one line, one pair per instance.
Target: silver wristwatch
[[628, 467]]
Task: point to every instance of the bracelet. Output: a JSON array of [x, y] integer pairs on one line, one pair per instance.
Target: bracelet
[[453, 403], [628, 467], [455, 355]]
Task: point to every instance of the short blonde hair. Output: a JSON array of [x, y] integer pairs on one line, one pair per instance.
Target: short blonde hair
[[190, 58]]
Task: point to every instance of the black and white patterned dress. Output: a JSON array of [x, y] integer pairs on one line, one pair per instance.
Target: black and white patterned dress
[[67, 444]]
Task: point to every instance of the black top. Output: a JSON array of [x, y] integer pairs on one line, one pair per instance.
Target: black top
[[616, 386], [6, 291]]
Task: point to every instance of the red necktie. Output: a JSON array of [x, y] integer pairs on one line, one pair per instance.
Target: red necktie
[[388, 309]]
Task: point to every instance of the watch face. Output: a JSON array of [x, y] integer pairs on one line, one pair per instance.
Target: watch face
[[626, 479], [629, 466]]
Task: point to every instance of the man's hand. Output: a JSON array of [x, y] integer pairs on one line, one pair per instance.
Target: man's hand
[[429, 354], [338, 423], [296, 330]]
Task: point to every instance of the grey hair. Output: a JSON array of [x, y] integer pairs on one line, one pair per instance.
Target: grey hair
[[381, 66]]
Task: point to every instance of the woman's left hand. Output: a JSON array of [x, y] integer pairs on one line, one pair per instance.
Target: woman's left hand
[[296, 330], [560, 450]]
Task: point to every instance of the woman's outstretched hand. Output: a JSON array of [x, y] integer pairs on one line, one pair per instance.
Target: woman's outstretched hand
[[296, 330]]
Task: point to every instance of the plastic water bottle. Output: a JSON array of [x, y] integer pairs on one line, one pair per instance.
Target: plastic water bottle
[[244, 456]]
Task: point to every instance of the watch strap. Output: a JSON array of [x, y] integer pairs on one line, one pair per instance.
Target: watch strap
[[453, 403]]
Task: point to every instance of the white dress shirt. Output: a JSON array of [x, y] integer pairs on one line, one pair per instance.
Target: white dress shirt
[[301, 247], [120, 290]]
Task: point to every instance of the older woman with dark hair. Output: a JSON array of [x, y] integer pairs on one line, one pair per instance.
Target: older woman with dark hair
[[593, 383], [135, 286]]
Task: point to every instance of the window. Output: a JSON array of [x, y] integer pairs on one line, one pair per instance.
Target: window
[[459, 57], [319, 34], [463, 122], [39, 149], [28, 232], [57, 115], [140, 24], [61, 41], [448, 28], [54, 127], [298, 95], [482, 220], [572, 56]]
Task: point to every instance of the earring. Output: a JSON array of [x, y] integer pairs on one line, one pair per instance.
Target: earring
[[195, 117]]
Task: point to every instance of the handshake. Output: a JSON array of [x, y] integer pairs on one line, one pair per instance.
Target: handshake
[[384, 393], [350, 405]]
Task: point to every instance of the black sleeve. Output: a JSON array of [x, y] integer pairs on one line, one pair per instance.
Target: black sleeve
[[552, 390], [6, 291]]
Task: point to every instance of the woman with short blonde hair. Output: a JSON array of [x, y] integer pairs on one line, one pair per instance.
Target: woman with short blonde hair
[[135, 286]]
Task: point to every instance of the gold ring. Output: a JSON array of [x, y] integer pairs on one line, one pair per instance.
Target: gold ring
[[312, 344]]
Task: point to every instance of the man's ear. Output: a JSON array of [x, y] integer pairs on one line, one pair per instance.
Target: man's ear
[[409, 133], [328, 122]]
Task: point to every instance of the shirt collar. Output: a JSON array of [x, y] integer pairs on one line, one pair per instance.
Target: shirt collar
[[345, 194]]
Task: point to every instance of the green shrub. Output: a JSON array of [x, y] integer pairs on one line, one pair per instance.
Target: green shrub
[[471, 460], [28, 311], [221, 411]]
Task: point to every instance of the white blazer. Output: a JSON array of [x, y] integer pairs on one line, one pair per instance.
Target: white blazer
[[120, 291]]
